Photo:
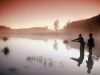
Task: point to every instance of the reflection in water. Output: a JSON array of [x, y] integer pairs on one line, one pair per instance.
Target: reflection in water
[[96, 57], [26, 67], [55, 45], [80, 59], [41, 60], [4, 48], [45, 40], [89, 63], [6, 51], [13, 69], [44, 61]]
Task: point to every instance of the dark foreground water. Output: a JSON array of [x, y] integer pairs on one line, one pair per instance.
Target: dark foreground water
[[21, 56]]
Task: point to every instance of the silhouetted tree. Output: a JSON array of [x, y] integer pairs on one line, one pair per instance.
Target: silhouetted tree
[[56, 25], [90, 24]]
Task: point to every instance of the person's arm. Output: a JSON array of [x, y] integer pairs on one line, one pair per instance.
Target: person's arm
[[76, 40]]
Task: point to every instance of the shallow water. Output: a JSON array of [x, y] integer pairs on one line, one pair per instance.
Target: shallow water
[[44, 57]]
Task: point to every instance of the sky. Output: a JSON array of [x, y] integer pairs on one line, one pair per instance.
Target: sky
[[39, 13]]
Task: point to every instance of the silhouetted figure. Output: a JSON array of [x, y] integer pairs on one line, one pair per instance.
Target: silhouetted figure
[[82, 43], [80, 59], [90, 43], [82, 47], [89, 63], [6, 51]]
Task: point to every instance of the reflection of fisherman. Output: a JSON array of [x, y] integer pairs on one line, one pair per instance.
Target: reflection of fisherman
[[82, 43], [89, 64], [80, 59], [90, 43]]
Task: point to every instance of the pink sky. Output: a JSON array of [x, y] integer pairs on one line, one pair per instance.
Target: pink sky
[[32, 13]]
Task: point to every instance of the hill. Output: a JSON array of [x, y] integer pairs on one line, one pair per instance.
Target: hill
[[4, 28], [81, 26], [33, 30]]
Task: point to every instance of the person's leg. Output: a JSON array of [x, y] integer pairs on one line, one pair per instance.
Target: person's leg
[[90, 50]]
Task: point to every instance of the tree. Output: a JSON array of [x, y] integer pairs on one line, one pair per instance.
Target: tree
[[56, 25]]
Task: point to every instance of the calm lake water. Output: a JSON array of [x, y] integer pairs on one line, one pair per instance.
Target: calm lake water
[[22, 56]]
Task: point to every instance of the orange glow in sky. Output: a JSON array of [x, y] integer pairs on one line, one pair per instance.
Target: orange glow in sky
[[40, 13]]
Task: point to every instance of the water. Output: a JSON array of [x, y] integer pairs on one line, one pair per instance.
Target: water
[[23, 56]]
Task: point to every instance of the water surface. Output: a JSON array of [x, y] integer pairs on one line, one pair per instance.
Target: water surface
[[44, 57]]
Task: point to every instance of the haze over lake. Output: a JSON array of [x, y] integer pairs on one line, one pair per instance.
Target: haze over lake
[[29, 56]]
